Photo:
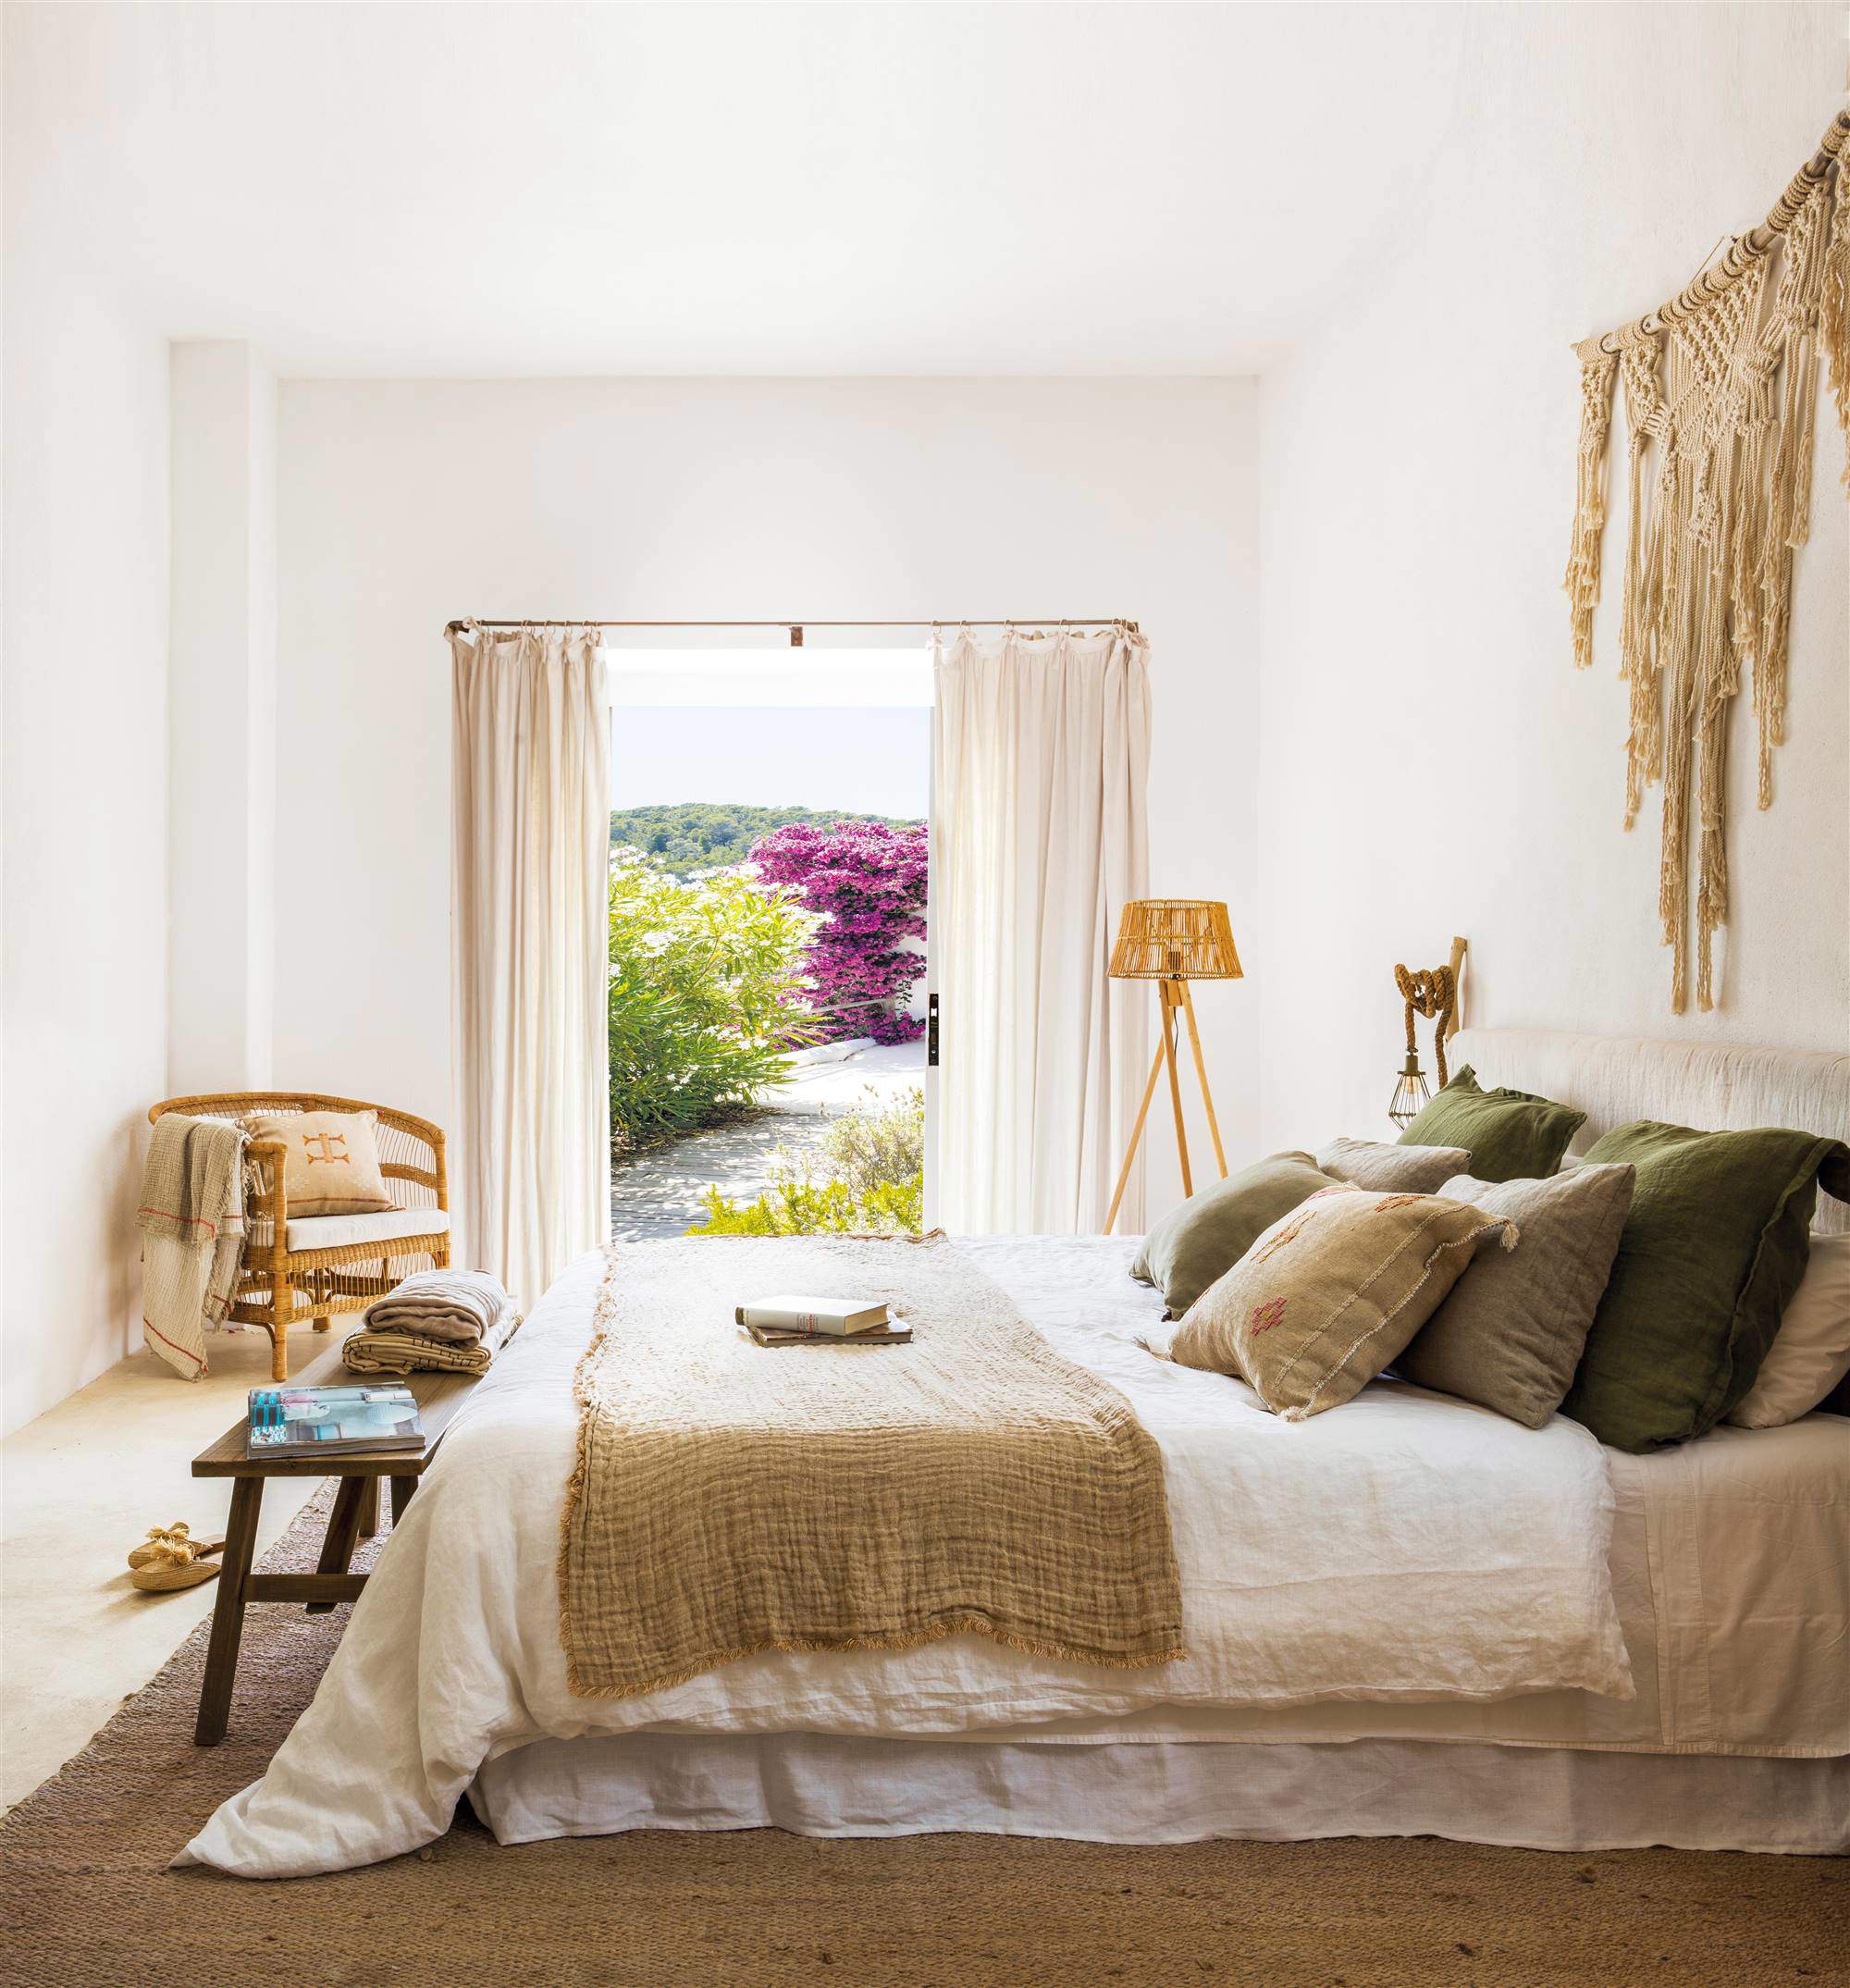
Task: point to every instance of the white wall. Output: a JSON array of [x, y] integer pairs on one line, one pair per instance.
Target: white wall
[[83, 714], [1431, 761], [403, 505], [222, 732]]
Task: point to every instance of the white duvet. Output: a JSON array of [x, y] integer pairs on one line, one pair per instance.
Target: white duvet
[[1401, 1548]]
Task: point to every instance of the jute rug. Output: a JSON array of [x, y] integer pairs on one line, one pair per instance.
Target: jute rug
[[86, 1899]]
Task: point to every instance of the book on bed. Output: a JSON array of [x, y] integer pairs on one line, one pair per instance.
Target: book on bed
[[332, 1421], [795, 1312], [889, 1335]]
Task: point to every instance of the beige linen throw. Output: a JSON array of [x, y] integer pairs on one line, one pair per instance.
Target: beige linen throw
[[729, 1498], [191, 1221]]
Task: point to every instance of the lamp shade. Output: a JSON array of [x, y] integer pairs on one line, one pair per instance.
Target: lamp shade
[[1175, 939]]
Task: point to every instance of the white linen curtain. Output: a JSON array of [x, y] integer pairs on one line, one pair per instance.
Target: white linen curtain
[[530, 952], [1038, 837]]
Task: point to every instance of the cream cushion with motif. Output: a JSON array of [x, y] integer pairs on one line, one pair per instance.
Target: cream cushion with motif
[[1331, 1293], [331, 1164]]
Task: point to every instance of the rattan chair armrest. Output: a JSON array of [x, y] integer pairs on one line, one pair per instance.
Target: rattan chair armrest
[[273, 1157]]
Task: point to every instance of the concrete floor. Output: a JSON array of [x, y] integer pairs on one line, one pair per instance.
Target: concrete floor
[[83, 1483], [77, 1489]]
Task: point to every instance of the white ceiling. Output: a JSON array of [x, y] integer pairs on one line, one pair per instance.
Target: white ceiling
[[546, 188]]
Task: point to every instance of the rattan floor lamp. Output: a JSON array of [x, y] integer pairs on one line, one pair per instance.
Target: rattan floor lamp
[[1173, 941]]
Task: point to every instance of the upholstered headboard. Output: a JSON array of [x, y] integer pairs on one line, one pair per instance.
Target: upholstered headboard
[[1710, 1086]]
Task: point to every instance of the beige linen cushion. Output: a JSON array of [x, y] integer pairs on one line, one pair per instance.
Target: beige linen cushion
[[1510, 1333], [1393, 1170], [1331, 1293], [1810, 1354], [332, 1159]]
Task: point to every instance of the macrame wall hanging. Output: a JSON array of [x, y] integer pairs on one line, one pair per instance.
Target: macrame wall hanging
[[1720, 396]]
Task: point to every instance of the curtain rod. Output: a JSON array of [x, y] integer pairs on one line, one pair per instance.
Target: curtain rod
[[797, 625], [1744, 251]]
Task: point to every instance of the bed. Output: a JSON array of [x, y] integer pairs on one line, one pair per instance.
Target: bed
[[1408, 1617]]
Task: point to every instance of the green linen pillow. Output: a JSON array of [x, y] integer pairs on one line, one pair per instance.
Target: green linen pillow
[[1207, 1235], [1713, 1249], [1511, 1135]]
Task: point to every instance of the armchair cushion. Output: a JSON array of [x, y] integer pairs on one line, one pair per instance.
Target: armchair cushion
[[331, 1164], [348, 1231]]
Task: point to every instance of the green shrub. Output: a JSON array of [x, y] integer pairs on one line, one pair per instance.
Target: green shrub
[[873, 1178], [807, 1209], [702, 977], [878, 1143]]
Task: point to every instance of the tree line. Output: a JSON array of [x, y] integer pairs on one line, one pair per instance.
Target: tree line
[[689, 836]]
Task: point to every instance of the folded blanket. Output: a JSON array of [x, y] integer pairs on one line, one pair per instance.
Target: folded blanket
[[727, 1500], [458, 1305], [412, 1352], [192, 1220]]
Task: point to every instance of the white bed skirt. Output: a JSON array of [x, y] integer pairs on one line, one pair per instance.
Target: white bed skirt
[[818, 1784]]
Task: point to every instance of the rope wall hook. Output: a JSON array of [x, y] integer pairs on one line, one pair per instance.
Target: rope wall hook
[[1431, 992]]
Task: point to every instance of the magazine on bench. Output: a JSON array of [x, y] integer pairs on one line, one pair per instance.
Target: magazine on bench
[[332, 1421]]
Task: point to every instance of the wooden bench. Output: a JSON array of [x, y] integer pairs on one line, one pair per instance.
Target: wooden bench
[[355, 1512]]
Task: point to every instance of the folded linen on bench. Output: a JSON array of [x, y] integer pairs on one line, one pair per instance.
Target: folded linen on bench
[[458, 1305], [415, 1352]]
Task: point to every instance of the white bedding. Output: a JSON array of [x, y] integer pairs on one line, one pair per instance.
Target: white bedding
[[1404, 1548]]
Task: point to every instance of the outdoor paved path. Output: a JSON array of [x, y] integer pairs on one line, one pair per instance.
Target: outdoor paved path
[[659, 1194]]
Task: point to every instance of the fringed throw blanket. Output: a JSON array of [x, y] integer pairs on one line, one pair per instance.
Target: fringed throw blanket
[[1720, 394], [191, 1223], [729, 1498]]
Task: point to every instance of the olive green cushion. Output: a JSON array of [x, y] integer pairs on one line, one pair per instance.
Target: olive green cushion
[[1510, 1135], [1712, 1251], [1207, 1235]]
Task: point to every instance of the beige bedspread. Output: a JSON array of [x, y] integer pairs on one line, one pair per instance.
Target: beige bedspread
[[729, 1498]]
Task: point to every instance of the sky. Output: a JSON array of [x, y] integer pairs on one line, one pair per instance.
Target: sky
[[862, 761]]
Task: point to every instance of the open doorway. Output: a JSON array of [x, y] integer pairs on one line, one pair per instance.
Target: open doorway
[[768, 883]]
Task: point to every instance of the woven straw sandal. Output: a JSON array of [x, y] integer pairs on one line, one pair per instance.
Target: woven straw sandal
[[178, 1531], [174, 1563]]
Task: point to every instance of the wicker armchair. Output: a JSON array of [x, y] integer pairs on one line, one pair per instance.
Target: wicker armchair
[[297, 1268]]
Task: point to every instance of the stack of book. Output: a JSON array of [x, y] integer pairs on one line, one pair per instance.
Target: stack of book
[[332, 1421], [799, 1319]]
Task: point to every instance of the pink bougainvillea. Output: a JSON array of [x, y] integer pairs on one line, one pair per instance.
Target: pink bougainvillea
[[867, 882]]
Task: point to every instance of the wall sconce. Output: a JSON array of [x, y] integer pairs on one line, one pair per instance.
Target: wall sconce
[[1431, 992]]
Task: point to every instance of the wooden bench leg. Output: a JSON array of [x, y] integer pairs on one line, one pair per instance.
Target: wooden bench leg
[[343, 1529], [227, 1613], [369, 1509], [323, 1325], [402, 1489]]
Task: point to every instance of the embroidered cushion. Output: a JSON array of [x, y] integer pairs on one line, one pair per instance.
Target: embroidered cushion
[[1510, 1135], [1331, 1293], [1393, 1170], [331, 1159], [1210, 1233]]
